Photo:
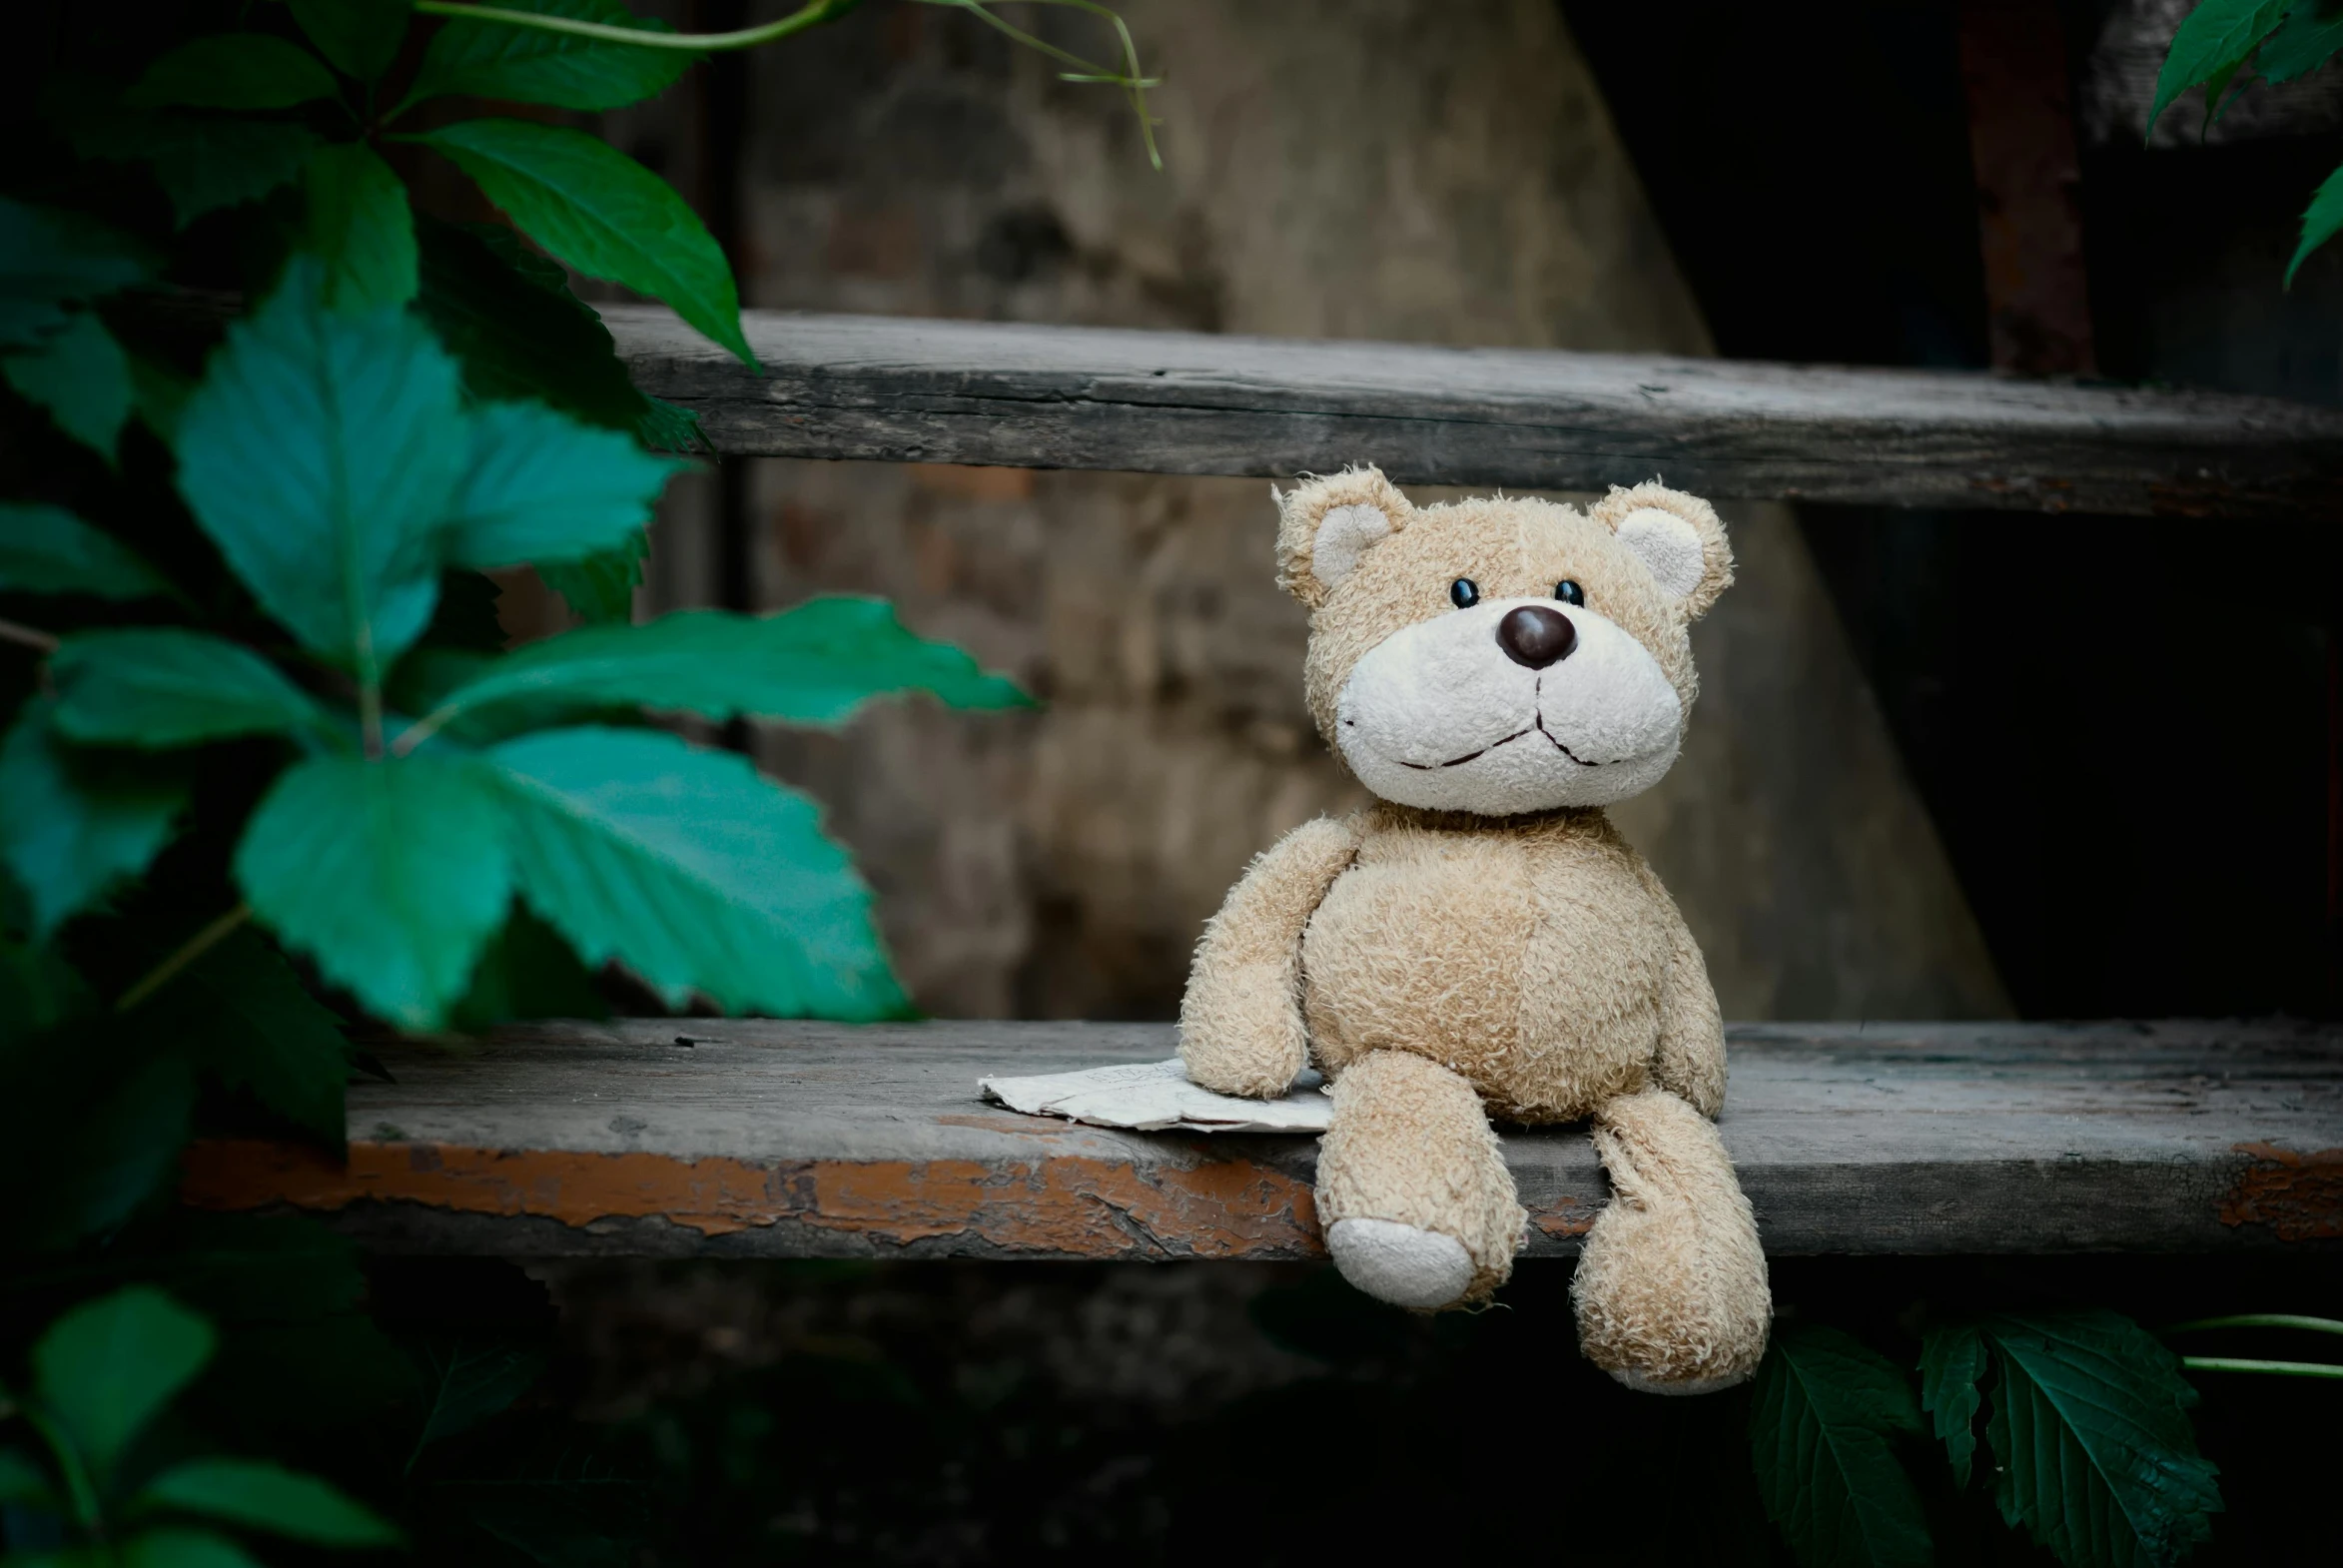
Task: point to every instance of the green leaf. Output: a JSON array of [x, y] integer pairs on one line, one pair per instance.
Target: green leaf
[[815, 664], [203, 164], [268, 1497], [470, 1378], [1826, 1408], [82, 376], [599, 588], [528, 65], [1952, 1364], [2091, 1434], [540, 485], [96, 1148], [258, 1268], [694, 872], [49, 260], [361, 37], [109, 1366], [602, 213], [162, 686], [160, 394], [358, 227], [233, 71], [390, 875], [177, 1547], [527, 972], [508, 314], [2312, 33], [2320, 220], [76, 825], [47, 550], [38, 991], [241, 1013], [319, 453], [2214, 40], [667, 427], [24, 1484]]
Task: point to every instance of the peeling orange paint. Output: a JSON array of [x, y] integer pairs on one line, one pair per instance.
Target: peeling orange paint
[[1564, 1219], [1076, 1206], [2298, 1196]]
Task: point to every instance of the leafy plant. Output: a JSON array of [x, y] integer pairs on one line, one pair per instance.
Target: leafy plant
[[1825, 1413], [104, 1473], [269, 769], [2223, 46]]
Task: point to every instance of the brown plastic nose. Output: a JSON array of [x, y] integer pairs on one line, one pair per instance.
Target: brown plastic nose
[[1536, 636]]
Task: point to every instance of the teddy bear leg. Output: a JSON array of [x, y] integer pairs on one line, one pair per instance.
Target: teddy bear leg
[[1417, 1203], [1671, 1289]]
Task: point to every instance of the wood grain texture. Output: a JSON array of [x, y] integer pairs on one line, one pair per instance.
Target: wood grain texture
[[764, 1139], [925, 390]]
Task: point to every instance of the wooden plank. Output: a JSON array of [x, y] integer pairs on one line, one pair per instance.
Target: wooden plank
[[763, 1139], [918, 391]]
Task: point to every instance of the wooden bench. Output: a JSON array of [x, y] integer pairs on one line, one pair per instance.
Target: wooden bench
[[748, 1139]]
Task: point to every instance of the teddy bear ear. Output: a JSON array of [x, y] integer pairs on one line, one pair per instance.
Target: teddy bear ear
[[1327, 525], [1678, 537]]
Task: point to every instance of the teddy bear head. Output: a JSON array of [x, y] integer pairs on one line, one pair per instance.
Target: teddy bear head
[[1500, 656]]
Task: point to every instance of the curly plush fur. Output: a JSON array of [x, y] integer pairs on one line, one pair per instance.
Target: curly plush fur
[[1483, 941]]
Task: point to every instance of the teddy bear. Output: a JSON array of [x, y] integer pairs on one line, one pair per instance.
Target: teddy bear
[[1481, 942]]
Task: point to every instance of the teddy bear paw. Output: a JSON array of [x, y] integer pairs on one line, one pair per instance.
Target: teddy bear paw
[[1400, 1264], [1644, 1383]]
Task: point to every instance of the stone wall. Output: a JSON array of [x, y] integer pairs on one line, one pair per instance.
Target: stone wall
[[1429, 169]]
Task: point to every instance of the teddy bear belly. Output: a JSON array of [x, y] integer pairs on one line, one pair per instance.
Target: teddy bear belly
[[1539, 983]]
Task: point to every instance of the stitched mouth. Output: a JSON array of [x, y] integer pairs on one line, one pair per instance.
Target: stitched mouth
[[1537, 726]]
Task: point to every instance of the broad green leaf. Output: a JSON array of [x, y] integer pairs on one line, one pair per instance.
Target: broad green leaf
[[202, 163], [530, 66], [470, 1377], [2092, 1447], [540, 485], [319, 453], [2312, 33], [39, 990], [2211, 43], [82, 376], [426, 677], [602, 213], [667, 427], [527, 972], [162, 686], [47, 550], [361, 37], [1951, 1365], [2320, 220], [694, 872], [160, 394], [268, 1497], [240, 1014], [97, 1137], [76, 825], [390, 875], [508, 314], [1826, 1409], [177, 1547], [814, 664], [599, 588], [233, 71], [358, 227], [49, 260], [107, 1368], [24, 1484]]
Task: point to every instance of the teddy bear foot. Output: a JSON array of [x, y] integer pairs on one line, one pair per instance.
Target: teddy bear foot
[[1644, 1383], [1400, 1264]]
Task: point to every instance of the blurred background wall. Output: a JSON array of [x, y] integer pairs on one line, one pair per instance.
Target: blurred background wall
[[1395, 169]]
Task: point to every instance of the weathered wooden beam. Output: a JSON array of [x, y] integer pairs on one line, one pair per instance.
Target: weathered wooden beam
[[808, 1139], [920, 391]]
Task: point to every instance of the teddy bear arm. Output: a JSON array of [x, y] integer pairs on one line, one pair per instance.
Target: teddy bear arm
[[1689, 1060], [1241, 1023]]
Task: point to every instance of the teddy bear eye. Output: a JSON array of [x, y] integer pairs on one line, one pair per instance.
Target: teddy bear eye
[[1464, 593], [1569, 592]]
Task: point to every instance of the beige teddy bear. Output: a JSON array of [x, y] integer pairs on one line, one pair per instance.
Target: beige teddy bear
[[1482, 941]]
